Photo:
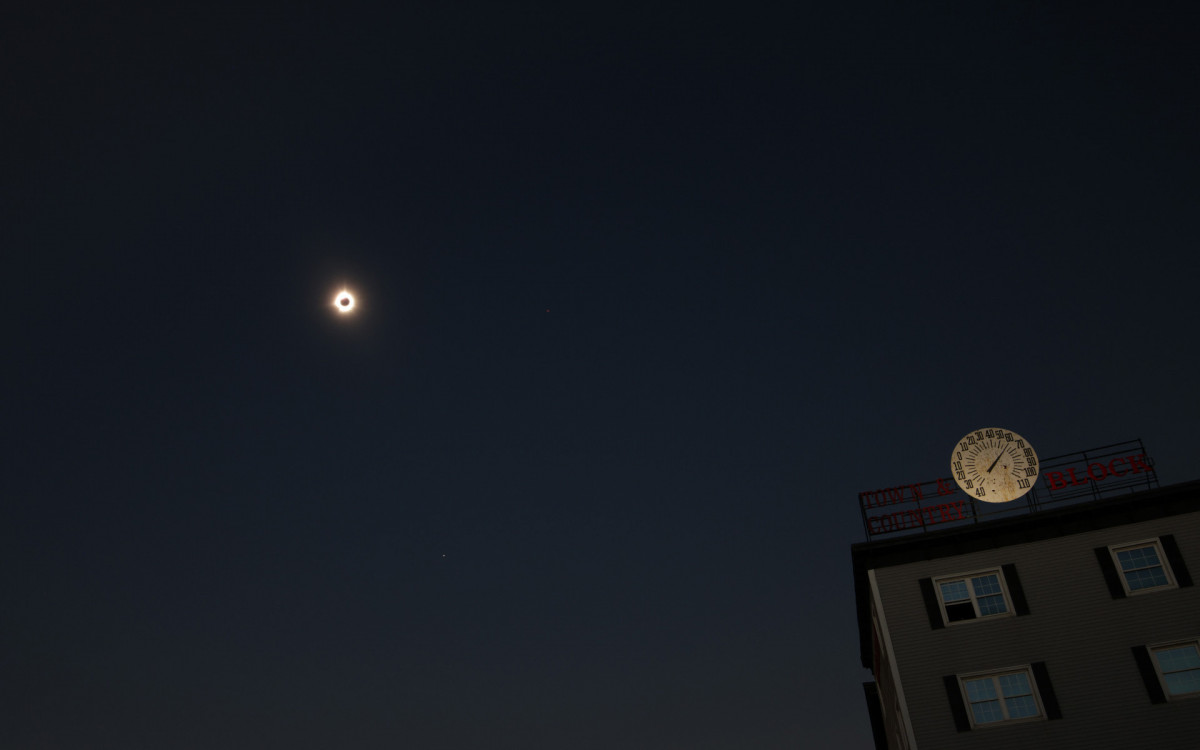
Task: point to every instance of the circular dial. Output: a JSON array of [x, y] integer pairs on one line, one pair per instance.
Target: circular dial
[[994, 465]]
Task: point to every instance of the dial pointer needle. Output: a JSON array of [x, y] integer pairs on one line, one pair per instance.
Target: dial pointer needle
[[998, 455]]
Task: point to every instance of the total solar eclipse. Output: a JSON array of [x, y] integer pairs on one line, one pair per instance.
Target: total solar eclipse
[[344, 302]]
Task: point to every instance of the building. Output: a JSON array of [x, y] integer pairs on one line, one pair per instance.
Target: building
[[1070, 627]]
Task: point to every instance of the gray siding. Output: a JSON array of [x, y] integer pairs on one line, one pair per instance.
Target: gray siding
[[893, 724], [1082, 634]]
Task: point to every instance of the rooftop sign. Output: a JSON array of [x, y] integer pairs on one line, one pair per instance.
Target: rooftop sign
[[1071, 478]]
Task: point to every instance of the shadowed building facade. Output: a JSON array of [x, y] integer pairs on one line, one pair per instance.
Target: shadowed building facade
[[1071, 628]]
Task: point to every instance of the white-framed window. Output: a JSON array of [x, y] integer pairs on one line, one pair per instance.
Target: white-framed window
[[1001, 697], [972, 596], [1142, 566], [1178, 666]]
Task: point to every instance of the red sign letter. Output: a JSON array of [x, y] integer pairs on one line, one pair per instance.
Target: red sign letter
[[1139, 464], [1055, 480]]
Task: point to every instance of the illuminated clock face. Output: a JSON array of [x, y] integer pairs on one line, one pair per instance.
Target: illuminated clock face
[[994, 465]]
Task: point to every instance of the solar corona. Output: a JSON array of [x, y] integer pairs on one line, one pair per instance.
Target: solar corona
[[344, 302]]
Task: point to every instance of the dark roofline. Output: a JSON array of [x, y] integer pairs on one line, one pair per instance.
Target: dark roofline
[[1074, 519]]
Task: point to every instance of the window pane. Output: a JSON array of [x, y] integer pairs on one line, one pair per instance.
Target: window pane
[[1130, 559], [960, 611], [1178, 658], [979, 690], [1180, 683], [954, 591], [986, 712], [1138, 558], [992, 605], [985, 585], [1019, 708], [1146, 578], [1015, 684]]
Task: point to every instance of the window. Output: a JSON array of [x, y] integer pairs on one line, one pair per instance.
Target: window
[[1001, 697], [1141, 566], [972, 596], [1179, 668], [982, 594], [986, 699], [1133, 568]]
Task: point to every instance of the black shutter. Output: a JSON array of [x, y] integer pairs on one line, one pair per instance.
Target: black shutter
[[1141, 655], [1171, 550], [931, 604], [1015, 590], [1111, 577], [1046, 690], [958, 709], [875, 711]]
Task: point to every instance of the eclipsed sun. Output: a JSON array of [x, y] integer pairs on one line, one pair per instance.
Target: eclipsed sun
[[344, 302]]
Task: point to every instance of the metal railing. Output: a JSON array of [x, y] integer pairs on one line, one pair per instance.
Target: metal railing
[[1072, 478]]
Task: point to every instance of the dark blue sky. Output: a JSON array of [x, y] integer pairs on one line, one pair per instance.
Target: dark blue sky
[[649, 294]]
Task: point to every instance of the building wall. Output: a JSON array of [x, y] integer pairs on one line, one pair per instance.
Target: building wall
[[894, 728], [1083, 635]]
